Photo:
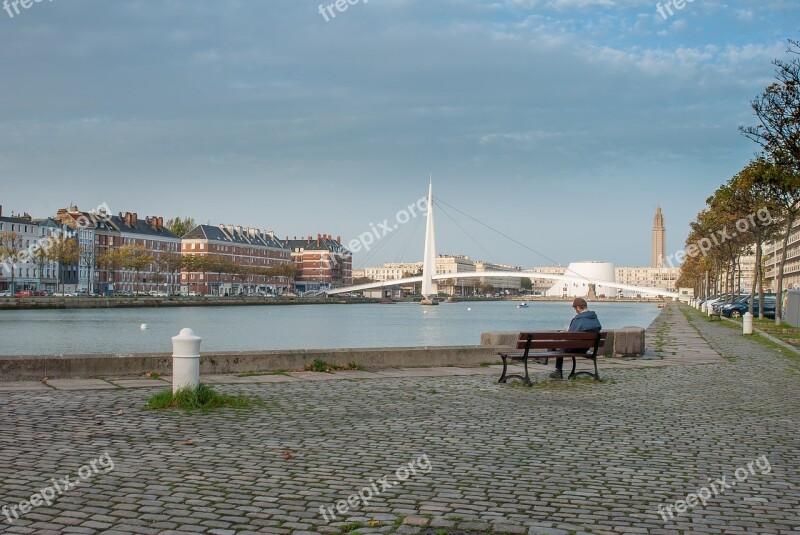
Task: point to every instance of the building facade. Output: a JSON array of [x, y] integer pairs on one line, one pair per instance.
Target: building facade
[[155, 242], [389, 271], [663, 278], [19, 272], [322, 263], [499, 284], [242, 246]]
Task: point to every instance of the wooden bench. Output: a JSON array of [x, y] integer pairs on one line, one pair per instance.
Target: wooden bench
[[547, 345]]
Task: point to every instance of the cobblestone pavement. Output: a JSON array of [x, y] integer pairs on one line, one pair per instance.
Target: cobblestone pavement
[[558, 458]]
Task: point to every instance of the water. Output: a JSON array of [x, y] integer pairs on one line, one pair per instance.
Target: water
[[63, 332]]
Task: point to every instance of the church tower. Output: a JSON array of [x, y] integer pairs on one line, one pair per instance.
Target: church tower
[[659, 240]]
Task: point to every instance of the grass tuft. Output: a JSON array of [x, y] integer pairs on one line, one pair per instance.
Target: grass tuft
[[202, 398], [321, 366]]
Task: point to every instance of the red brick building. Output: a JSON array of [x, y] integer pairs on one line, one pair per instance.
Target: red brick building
[[322, 263], [244, 247]]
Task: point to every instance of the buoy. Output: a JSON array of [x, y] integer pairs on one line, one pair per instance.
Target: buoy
[[424, 311], [469, 310], [143, 326]]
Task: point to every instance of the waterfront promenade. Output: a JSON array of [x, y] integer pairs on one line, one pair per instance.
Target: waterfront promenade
[[558, 458]]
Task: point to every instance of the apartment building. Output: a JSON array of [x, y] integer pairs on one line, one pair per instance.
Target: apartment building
[[322, 263], [243, 246]]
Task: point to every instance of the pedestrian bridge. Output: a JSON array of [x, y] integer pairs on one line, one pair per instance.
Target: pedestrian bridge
[[654, 292]]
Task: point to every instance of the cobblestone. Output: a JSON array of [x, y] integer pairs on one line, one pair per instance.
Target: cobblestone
[[560, 457]]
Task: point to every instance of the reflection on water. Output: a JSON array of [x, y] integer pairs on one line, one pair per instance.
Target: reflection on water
[[53, 332]]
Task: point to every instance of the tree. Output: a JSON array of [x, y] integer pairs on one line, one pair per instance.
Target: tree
[[783, 188], [777, 109], [89, 260], [39, 257], [136, 258], [111, 261], [364, 280], [778, 112], [65, 251], [752, 197], [526, 283], [171, 262], [10, 250], [180, 226]]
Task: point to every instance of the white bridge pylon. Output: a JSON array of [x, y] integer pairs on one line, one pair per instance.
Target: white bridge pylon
[[655, 292]]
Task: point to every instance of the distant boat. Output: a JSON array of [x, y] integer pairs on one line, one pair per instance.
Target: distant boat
[[523, 305]]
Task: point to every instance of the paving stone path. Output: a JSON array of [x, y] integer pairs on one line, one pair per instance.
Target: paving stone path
[[558, 458]]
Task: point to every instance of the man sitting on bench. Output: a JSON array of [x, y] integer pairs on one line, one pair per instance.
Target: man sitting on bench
[[584, 321]]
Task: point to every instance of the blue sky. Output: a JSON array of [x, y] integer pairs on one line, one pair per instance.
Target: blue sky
[[562, 123]]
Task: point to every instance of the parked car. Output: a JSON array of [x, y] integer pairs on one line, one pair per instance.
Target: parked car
[[125, 293], [6, 293], [23, 293], [725, 300], [195, 294], [742, 305]]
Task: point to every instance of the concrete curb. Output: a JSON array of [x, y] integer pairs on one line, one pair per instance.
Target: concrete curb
[[87, 366], [769, 337]]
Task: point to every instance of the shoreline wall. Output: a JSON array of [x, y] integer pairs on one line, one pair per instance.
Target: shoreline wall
[[35, 368]]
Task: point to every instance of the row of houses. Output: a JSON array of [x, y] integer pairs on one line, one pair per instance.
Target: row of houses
[[318, 263]]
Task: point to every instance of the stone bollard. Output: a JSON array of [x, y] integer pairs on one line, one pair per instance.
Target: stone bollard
[[185, 360], [629, 342], [709, 309], [747, 323]]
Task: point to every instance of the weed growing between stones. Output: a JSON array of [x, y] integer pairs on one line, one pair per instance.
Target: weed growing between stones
[[321, 366], [202, 398]]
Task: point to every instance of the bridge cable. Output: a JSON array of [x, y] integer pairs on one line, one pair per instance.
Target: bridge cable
[[411, 235], [467, 234], [438, 200]]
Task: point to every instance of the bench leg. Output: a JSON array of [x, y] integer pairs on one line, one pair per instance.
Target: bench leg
[[527, 377], [503, 378], [596, 374]]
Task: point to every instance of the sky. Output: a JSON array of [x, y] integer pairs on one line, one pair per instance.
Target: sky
[[560, 124]]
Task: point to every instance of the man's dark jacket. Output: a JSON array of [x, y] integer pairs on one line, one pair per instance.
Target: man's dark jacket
[[585, 322]]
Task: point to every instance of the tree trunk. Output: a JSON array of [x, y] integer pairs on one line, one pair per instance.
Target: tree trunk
[[779, 289], [756, 276]]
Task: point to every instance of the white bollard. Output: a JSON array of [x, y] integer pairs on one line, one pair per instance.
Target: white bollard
[[185, 360], [709, 309], [747, 323]]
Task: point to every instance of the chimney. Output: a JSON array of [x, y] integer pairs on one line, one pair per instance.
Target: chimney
[[160, 222], [135, 218], [1, 210], [128, 219], [338, 239]]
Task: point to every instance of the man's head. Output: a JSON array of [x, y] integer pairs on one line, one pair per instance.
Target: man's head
[[579, 304]]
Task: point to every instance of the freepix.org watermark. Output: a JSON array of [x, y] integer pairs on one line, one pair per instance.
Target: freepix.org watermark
[[663, 10], [329, 12], [102, 465], [8, 5], [45, 243], [704, 245], [376, 487], [383, 229], [715, 488]]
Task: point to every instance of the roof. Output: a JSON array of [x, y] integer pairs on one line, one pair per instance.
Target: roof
[[234, 234], [321, 244], [141, 227]]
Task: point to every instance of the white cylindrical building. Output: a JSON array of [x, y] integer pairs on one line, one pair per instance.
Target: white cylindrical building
[[580, 275]]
